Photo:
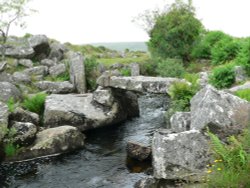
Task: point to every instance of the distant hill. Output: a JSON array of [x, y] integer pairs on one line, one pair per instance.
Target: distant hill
[[121, 46]]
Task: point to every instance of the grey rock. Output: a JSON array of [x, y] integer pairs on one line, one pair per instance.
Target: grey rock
[[135, 69], [139, 83], [240, 74], [148, 182], [180, 121], [138, 150], [21, 115], [20, 77], [25, 62], [37, 71], [179, 155], [57, 70], [4, 118], [3, 65], [8, 90], [103, 96], [19, 52], [222, 112], [52, 141], [116, 66], [57, 51], [240, 87], [6, 77], [203, 79], [48, 62], [40, 44], [25, 133], [55, 87], [77, 71]]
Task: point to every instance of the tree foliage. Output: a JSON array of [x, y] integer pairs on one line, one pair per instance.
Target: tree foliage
[[175, 32]]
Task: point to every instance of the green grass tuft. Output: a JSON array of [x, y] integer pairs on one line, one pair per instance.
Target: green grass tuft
[[35, 103]]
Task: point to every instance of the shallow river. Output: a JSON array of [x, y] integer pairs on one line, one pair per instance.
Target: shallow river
[[102, 163]]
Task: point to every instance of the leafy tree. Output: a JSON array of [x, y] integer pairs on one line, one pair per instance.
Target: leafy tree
[[175, 32], [11, 12]]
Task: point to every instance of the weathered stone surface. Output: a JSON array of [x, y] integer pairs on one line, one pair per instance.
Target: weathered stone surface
[[138, 83], [138, 151], [4, 118], [240, 87], [40, 44], [20, 77], [55, 87], [20, 51], [179, 155], [25, 133], [8, 90], [52, 141], [77, 71], [57, 51], [103, 96], [203, 79], [25, 62], [37, 71], [57, 70], [180, 121], [135, 69], [149, 182], [240, 74], [5, 77], [48, 62], [222, 112], [82, 112], [3, 65], [21, 115]]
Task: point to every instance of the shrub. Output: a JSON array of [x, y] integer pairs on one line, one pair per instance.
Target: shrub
[[10, 149], [91, 72], [243, 57], [170, 68], [244, 94], [222, 76], [148, 68], [232, 166], [35, 103], [125, 72], [225, 50], [11, 104]]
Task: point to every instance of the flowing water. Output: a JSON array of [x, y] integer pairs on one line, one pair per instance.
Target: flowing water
[[102, 163]]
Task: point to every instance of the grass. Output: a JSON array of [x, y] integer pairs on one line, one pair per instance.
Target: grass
[[35, 103], [11, 104], [244, 94]]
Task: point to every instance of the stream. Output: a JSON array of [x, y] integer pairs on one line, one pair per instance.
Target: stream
[[102, 163]]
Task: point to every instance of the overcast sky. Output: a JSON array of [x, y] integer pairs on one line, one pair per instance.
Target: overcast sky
[[90, 21]]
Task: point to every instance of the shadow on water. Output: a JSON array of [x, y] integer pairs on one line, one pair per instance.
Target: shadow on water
[[102, 163]]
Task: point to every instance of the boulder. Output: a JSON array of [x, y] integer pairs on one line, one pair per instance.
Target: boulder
[[51, 142], [240, 74], [222, 112], [138, 83], [179, 155], [203, 79], [135, 69], [4, 118], [25, 133], [6, 77], [55, 87], [21, 77], [40, 44], [25, 62], [57, 51], [77, 71], [103, 96], [37, 71], [3, 65], [240, 87], [57, 70], [180, 121], [48, 62], [138, 151], [82, 112], [21, 115], [8, 90], [148, 182], [19, 52]]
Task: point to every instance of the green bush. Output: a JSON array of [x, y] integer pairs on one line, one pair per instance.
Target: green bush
[[243, 57], [91, 72], [225, 50], [232, 165], [11, 104], [170, 68], [244, 94], [148, 68], [125, 72], [35, 103], [10, 149], [223, 76]]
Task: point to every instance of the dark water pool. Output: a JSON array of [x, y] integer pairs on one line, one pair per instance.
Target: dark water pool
[[103, 161]]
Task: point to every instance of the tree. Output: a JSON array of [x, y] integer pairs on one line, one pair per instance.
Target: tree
[[175, 32], [11, 12]]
